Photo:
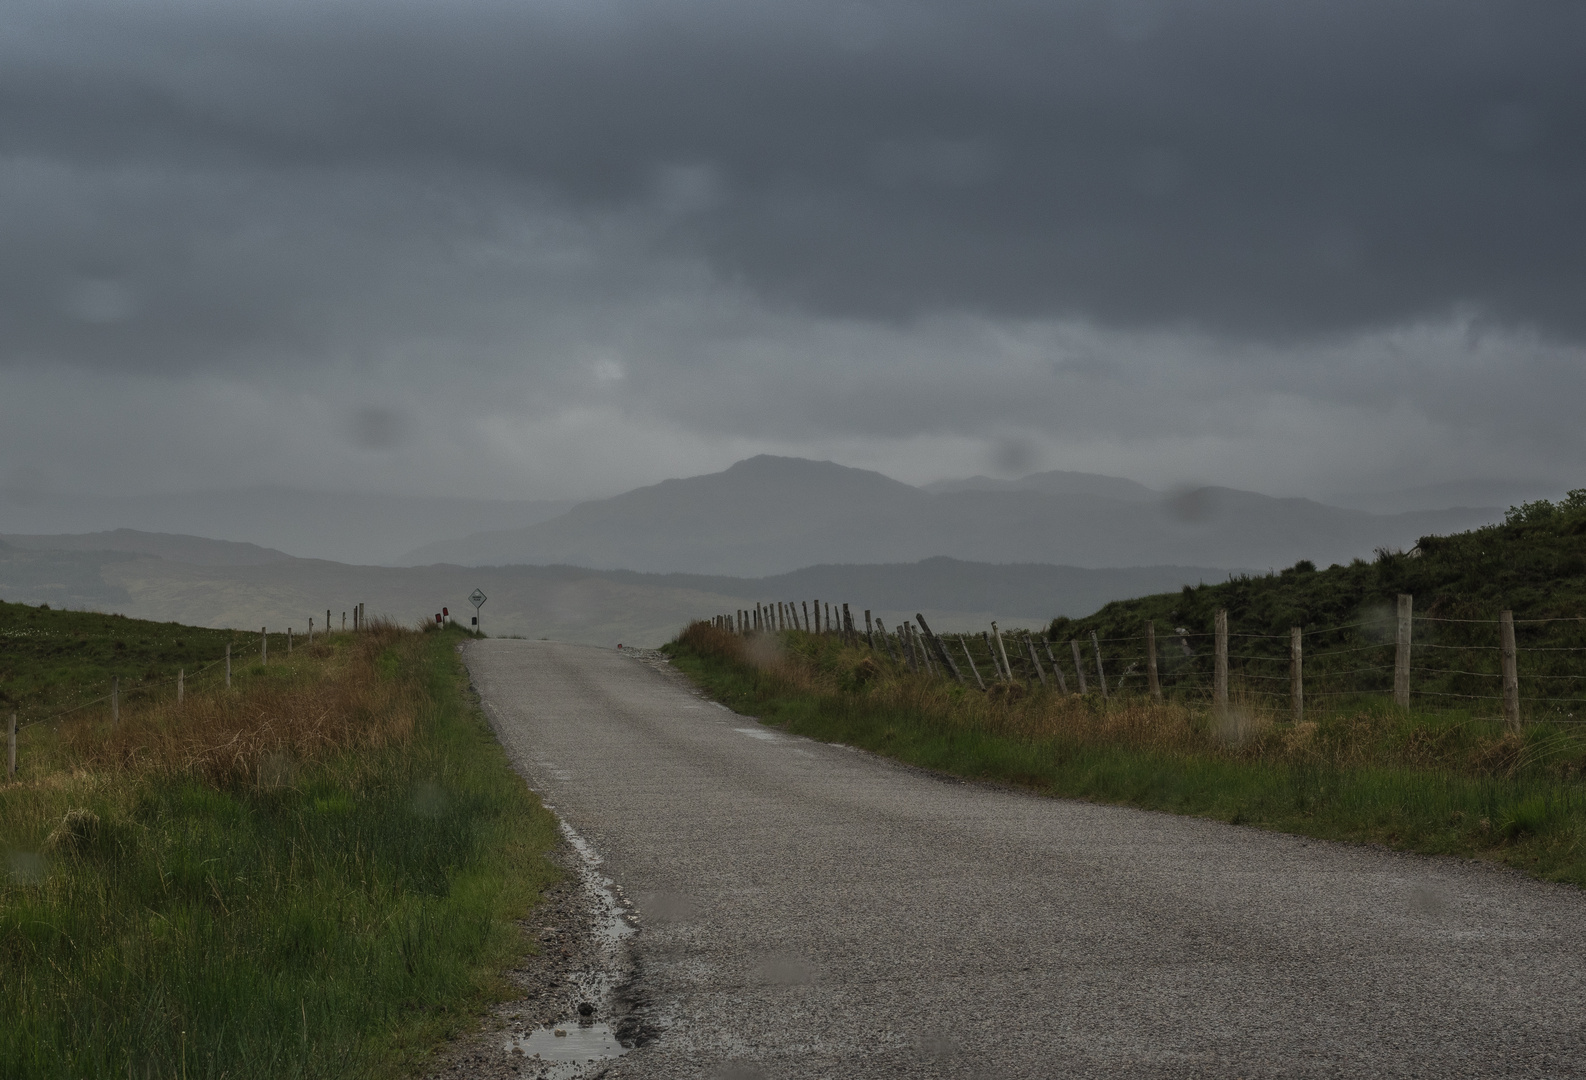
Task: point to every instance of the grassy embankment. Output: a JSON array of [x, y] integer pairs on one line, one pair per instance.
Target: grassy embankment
[[313, 874], [1441, 780]]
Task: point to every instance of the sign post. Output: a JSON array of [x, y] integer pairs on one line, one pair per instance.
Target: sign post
[[477, 599]]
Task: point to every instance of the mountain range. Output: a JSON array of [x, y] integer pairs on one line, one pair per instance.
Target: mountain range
[[771, 515], [220, 583], [637, 566], [358, 527]]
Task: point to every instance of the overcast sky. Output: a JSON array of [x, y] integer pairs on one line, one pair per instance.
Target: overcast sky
[[522, 249]]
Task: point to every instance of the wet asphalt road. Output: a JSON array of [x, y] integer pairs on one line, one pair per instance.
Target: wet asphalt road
[[809, 910]]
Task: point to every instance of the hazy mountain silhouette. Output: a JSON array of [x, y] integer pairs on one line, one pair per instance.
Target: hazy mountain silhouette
[[359, 527], [197, 550], [216, 583], [772, 515]]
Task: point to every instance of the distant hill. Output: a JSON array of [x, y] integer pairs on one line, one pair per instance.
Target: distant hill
[[197, 550], [351, 527], [1021, 590], [1533, 563], [771, 515], [221, 584]]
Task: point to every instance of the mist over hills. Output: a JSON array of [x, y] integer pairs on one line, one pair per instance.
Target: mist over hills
[[771, 515], [362, 528], [636, 567], [222, 584]]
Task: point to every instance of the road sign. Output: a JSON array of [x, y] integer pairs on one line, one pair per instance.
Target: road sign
[[476, 598]]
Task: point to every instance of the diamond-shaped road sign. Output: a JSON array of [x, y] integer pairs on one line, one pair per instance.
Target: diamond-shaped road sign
[[476, 598]]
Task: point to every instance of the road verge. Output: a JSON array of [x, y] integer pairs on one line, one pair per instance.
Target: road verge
[[1434, 783], [317, 872]]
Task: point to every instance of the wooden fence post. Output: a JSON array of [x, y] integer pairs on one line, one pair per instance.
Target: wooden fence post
[[1511, 669], [228, 665], [1401, 653], [1002, 651], [1220, 669], [972, 668], [289, 641], [1150, 660], [1297, 673], [264, 646], [941, 650], [1101, 674], [1079, 665], [870, 633], [906, 643], [11, 750], [1057, 669], [1030, 646], [848, 625], [924, 648], [180, 674]]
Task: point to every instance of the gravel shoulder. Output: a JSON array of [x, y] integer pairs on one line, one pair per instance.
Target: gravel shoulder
[[808, 910]]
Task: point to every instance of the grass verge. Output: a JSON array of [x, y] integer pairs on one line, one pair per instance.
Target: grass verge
[[314, 874], [1434, 782]]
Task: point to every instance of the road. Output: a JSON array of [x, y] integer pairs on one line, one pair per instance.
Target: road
[[811, 910]]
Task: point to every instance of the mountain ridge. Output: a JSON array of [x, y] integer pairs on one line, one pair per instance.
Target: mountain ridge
[[768, 515]]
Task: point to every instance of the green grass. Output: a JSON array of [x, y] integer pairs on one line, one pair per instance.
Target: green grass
[[52, 660], [327, 908], [1533, 564], [1434, 782]]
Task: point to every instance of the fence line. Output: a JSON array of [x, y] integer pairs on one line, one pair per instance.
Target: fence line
[[148, 685], [1195, 662]]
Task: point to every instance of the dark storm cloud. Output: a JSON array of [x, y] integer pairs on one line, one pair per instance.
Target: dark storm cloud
[[188, 182]]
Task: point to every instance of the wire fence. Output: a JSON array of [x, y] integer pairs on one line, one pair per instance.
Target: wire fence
[[173, 686], [1531, 669]]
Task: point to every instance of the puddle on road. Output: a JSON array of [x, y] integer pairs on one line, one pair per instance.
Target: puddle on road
[[564, 1056], [611, 923], [757, 733]]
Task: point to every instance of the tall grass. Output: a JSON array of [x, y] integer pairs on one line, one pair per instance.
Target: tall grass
[[1443, 782], [312, 875]]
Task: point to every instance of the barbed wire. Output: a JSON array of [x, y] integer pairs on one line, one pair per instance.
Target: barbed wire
[[143, 686]]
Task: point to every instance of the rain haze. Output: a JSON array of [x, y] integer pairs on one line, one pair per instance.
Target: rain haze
[[754, 540], [537, 251]]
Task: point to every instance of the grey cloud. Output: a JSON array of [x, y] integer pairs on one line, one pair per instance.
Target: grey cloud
[[549, 249], [1250, 169]]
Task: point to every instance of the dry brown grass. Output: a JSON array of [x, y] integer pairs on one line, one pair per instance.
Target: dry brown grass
[[329, 697], [1016, 710], [1249, 730]]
